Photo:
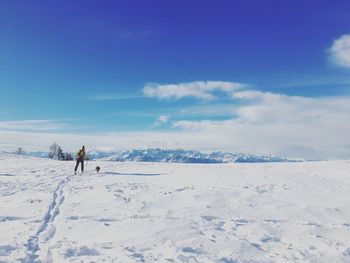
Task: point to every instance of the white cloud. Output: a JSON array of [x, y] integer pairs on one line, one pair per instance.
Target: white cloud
[[256, 95], [198, 89], [197, 125], [163, 119], [32, 125], [340, 51]]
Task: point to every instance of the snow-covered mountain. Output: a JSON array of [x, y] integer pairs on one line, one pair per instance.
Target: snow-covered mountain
[[177, 156], [183, 156]]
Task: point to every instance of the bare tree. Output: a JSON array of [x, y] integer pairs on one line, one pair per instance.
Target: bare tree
[[19, 151]]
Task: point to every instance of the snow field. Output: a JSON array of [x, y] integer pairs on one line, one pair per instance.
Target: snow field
[[147, 212]]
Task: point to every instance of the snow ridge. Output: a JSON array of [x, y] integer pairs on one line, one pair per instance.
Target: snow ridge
[[44, 232]]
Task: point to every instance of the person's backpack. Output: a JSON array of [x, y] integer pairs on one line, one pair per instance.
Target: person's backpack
[[80, 154]]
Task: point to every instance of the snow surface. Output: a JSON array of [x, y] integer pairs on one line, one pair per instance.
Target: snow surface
[[170, 212]]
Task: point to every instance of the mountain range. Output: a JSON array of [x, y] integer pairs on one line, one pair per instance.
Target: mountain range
[[176, 156]]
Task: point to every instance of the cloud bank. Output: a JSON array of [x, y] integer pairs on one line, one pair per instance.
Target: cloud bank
[[198, 89], [255, 122], [32, 125], [282, 125], [265, 122]]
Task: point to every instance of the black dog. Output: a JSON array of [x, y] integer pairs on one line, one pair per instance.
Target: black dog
[[97, 169]]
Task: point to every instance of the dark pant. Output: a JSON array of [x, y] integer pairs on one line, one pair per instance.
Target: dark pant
[[80, 160]]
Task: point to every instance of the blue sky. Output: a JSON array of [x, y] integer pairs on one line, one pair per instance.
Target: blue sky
[[97, 68]]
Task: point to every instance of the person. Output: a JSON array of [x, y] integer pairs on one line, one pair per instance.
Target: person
[[81, 156]]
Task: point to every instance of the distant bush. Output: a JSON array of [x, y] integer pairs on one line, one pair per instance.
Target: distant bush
[[68, 157]]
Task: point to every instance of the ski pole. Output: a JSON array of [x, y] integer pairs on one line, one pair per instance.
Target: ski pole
[[87, 162]]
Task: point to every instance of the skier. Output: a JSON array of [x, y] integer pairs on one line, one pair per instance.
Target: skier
[[81, 156]]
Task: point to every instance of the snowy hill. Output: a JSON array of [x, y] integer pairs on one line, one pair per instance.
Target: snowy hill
[[176, 156], [173, 212]]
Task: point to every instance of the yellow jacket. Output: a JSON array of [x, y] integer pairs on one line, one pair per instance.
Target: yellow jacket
[[81, 154]]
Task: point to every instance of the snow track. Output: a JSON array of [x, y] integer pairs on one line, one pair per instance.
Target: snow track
[[47, 229]]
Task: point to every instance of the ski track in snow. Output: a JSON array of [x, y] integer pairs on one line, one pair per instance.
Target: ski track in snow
[[146, 212], [47, 229]]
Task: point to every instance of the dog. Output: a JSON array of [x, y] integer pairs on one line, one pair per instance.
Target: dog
[[97, 169]]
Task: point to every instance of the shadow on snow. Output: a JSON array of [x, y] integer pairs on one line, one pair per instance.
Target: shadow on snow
[[135, 174]]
